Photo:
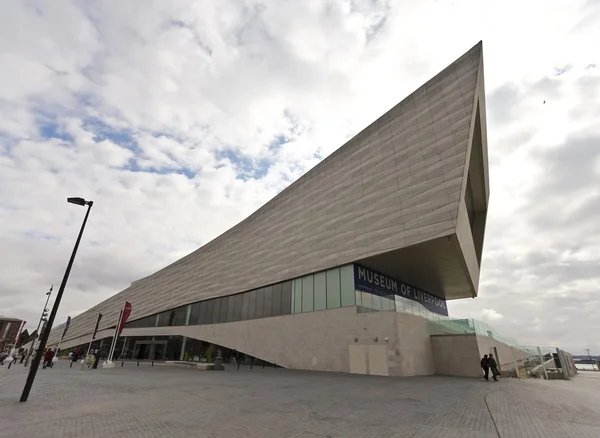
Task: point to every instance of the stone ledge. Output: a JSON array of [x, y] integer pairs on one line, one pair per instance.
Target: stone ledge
[[202, 366]]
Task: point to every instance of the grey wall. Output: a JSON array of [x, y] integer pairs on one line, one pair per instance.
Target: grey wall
[[456, 355], [318, 340]]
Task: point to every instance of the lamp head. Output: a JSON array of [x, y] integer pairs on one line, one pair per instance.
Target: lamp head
[[78, 201]]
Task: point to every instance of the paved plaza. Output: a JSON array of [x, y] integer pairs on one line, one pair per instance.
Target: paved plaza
[[165, 402]]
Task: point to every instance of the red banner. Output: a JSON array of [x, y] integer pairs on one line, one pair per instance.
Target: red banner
[[126, 313]]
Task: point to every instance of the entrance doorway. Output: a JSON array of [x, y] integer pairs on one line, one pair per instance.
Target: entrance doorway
[[150, 350]]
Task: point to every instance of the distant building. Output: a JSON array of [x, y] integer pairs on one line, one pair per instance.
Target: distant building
[[9, 331], [349, 268]]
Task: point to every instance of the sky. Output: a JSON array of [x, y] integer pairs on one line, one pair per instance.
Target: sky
[[180, 118]]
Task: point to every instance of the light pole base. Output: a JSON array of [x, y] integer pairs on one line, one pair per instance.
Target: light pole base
[[108, 364]]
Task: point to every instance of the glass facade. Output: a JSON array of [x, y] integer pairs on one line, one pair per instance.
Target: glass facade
[[324, 290]]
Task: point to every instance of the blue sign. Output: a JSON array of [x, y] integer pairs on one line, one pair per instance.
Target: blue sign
[[367, 280]]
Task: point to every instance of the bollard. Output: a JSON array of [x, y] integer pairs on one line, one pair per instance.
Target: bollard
[[122, 363], [138, 363], [152, 363]]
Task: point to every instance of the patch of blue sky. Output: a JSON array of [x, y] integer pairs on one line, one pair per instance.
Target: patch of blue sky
[[247, 168], [252, 168], [102, 131], [51, 130]]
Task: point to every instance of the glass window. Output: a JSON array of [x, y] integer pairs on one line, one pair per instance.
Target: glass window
[[286, 298], [194, 314], [164, 319], [216, 310], [230, 308], [245, 299], [268, 303], [237, 310], [400, 304], [260, 300], [333, 289], [367, 300], [224, 308], [307, 293], [358, 298], [320, 291], [376, 302], [251, 304], [347, 286], [203, 308], [180, 316], [387, 303], [297, 292], [210, 306], [276, 301]]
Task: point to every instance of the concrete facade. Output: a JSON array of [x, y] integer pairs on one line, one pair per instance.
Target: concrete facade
[[406, 197], [454, 355]]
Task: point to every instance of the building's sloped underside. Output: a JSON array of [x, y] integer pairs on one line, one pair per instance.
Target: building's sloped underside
[[397, 183]]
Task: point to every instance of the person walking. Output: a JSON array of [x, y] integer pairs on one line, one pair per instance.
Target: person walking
[[486, 367], [48, 356], [494, 367]]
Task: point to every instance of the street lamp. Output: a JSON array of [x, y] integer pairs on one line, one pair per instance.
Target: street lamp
[[37, 331], [40, 351]]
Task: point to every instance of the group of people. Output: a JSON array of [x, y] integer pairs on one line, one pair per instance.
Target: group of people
[[14, 356], [488, 363]]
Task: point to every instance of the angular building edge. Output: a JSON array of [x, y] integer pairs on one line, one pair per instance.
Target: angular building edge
[[469, 237], [467, 243]]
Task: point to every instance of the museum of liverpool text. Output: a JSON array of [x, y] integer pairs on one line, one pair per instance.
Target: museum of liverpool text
[[349, 269]]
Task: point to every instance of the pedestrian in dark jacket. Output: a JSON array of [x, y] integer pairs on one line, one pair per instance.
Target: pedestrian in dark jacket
[[48, 356], [486, 367], [493, 367]]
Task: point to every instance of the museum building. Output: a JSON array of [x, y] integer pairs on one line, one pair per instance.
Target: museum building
[[350, 268]]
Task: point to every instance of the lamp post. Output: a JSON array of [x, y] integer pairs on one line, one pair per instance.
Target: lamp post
[[37, 330], [44, 338]]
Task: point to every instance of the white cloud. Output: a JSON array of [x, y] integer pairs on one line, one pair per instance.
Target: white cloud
[[182, 118], [490, 315]]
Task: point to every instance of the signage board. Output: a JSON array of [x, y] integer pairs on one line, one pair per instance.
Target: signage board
[[368, 280]]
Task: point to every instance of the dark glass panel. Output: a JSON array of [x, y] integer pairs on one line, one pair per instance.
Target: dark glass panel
[[237, 310], [245, 299], [194, 314], [180, 316], [260, 300], [268, 301], [276, 300], [216, 310], [251, 304], [223, 311], [203, 309], [230, 306], [286, 298], [210, 306], [164, 319]]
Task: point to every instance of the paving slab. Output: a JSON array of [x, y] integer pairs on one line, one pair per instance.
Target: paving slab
[[170, 402]]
